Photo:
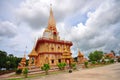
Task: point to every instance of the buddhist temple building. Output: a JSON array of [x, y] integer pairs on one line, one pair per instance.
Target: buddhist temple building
[[80, 58], [50, 49], [110, 55]]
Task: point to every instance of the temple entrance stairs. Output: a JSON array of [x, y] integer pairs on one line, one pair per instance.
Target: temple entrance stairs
[[37, 70]]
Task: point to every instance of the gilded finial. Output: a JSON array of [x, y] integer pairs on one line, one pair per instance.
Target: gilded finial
[[25, 52]]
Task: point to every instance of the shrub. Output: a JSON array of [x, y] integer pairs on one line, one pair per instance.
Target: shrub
[[118, 60], [18, 71], [99, 62], [61, 66], [107, 62], [86, 64], [111, 60], [93, 62], [46, 67], [73, 66], [25, 72]]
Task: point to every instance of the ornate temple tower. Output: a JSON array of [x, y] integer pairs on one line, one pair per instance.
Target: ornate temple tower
[[22, 63], [50, 49], [80, 58]]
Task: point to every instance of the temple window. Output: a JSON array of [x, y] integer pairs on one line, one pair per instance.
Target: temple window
[[59, 60], [58, 48], [52, 61], [52, 49]]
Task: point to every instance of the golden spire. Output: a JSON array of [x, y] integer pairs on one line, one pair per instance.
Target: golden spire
[[51, 21], [25, 52], [80, 54]]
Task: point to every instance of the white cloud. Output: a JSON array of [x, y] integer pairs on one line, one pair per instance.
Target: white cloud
[[7, 29], [36, 13], [100, 29]]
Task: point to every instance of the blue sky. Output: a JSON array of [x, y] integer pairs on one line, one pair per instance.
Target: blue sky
[[89, 24]]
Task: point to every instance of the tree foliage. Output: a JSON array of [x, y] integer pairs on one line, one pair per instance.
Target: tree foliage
[[3, 56], [18, 71], [25, 72], [75, 59], [113, 52], [8, 61], [95, 56], [61, 65], [46, 67], [8, 65], [86, 64], [73, 66]]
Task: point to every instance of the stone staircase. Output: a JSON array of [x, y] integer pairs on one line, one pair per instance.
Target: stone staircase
[[37, 70]]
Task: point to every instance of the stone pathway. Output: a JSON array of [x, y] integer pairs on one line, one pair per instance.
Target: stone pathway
[[6, 75], [109, 72]]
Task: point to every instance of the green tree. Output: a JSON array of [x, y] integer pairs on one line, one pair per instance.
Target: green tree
[[96, 56], [8, 65], [86, 64], [113, 52], [17, 61], [3, 56], [11, 55], [12, 60], [73, 65], [61, 66], [46, 67], [25, 72], [75, 59], [4, 60]]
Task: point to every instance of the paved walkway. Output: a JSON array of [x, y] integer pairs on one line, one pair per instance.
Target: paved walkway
[[6, 75], [109, 72]]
